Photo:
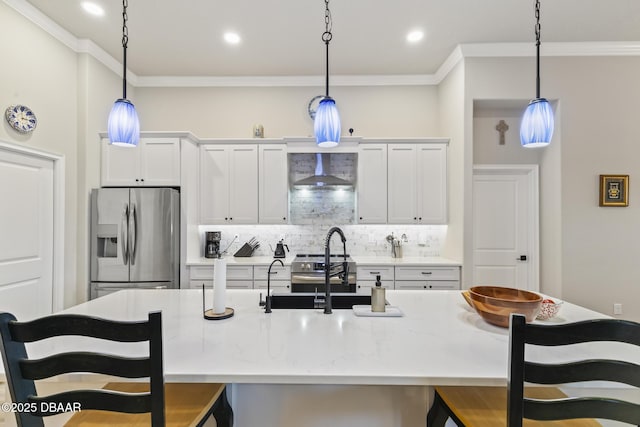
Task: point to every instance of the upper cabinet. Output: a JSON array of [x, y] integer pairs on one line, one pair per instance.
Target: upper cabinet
[[417, 183], [273, 190], [154, 162], [228, 184], [372, 184]]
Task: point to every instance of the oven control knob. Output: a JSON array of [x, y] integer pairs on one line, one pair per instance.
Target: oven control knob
[[307, 266]]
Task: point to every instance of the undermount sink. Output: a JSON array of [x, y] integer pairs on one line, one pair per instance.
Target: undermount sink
[[312, 300]]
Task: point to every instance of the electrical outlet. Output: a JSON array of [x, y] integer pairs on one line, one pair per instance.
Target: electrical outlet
[[617, 308]]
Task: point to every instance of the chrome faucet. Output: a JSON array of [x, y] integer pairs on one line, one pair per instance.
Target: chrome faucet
[[267, 304], [327, 267]]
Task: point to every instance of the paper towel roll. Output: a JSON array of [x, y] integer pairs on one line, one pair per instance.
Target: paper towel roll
[[219, 285]]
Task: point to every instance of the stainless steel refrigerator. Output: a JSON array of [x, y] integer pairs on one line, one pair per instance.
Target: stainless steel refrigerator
[[135, 239]]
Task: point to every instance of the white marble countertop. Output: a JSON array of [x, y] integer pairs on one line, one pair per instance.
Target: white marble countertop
[[405, 261], [231, 260], [440, 340], [359, 259]]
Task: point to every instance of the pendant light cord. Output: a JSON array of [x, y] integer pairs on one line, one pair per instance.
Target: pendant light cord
[[537, 30], [326, 38], [125, 42]]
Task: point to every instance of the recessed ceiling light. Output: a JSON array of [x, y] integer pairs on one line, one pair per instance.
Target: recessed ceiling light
[[231, 38], [415, 36], [92, 8]]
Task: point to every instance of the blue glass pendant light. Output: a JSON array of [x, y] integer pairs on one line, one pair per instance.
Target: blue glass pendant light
[[536, 129], [123, 126], [326, 125]]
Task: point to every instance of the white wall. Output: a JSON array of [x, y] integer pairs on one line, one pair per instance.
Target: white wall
[[98, 88], [588, 252], [41, 73], [376, 111], [451, 102]]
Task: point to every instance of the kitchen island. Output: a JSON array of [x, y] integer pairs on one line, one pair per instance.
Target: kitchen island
[[337, 369]]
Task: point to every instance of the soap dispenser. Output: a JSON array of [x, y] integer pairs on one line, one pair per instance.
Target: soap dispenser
[[377, 297]]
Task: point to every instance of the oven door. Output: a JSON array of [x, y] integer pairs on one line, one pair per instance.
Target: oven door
[[314, 282]]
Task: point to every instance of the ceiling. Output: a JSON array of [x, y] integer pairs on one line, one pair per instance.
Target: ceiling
[[283, 37]]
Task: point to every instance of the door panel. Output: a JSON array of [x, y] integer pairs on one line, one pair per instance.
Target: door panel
[[402, 187], [243, 184], [152, 231], [504, 229], [214, 184], [109, 235], [26, 227]]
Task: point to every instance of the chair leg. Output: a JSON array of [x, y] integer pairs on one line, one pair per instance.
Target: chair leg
[[222, 411], [439, 413]]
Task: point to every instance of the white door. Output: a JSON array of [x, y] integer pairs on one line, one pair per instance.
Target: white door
[[26, 227], [505, 226]]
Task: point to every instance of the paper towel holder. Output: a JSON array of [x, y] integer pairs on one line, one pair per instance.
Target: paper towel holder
[[210, 315]]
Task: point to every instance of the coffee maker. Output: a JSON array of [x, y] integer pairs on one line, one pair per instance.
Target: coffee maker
[[212, 244]]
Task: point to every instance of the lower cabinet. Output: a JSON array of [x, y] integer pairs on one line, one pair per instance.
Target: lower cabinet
[[427, 278], [366, 277], [399, 278], [238, 277], [280, 277]]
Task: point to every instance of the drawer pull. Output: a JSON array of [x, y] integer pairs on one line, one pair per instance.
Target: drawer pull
[[273, 272], [427, 272], [374, 272]]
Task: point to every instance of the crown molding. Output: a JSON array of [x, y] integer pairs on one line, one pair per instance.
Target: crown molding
[[283, 81], [459, 53]]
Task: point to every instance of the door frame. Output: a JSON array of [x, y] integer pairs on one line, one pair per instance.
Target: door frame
[[533, 226], [58, 254]]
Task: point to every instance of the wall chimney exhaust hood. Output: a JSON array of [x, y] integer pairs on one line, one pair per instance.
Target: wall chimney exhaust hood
[[321, 179]]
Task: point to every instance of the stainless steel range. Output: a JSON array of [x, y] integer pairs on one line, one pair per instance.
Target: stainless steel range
[[308, 274]]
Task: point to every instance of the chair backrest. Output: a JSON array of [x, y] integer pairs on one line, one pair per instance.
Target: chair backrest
[[22, 371], [613, 330]]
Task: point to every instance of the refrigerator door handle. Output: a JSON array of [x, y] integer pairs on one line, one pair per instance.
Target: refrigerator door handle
[[123, 235], [133, 231]]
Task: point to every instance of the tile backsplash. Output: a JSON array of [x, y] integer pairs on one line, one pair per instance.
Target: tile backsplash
[[370, 240], [317, 206]]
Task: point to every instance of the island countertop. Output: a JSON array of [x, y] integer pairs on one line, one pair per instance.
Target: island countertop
[[438, 341]]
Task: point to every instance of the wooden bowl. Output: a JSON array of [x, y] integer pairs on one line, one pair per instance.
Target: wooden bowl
[[495, 303], [467, 298]]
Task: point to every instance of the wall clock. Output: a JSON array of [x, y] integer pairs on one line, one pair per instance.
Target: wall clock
[[21, 118], [313, 106]]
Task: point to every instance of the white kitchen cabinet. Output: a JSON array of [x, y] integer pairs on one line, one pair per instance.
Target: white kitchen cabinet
[[228, 184], [372, 184], [273, 189], [428, 278], [238, 277], [417, 183], [366, 277], [153, 162], [280, 277]]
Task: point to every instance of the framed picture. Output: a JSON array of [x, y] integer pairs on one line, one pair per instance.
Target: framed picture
[[614, 190]]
